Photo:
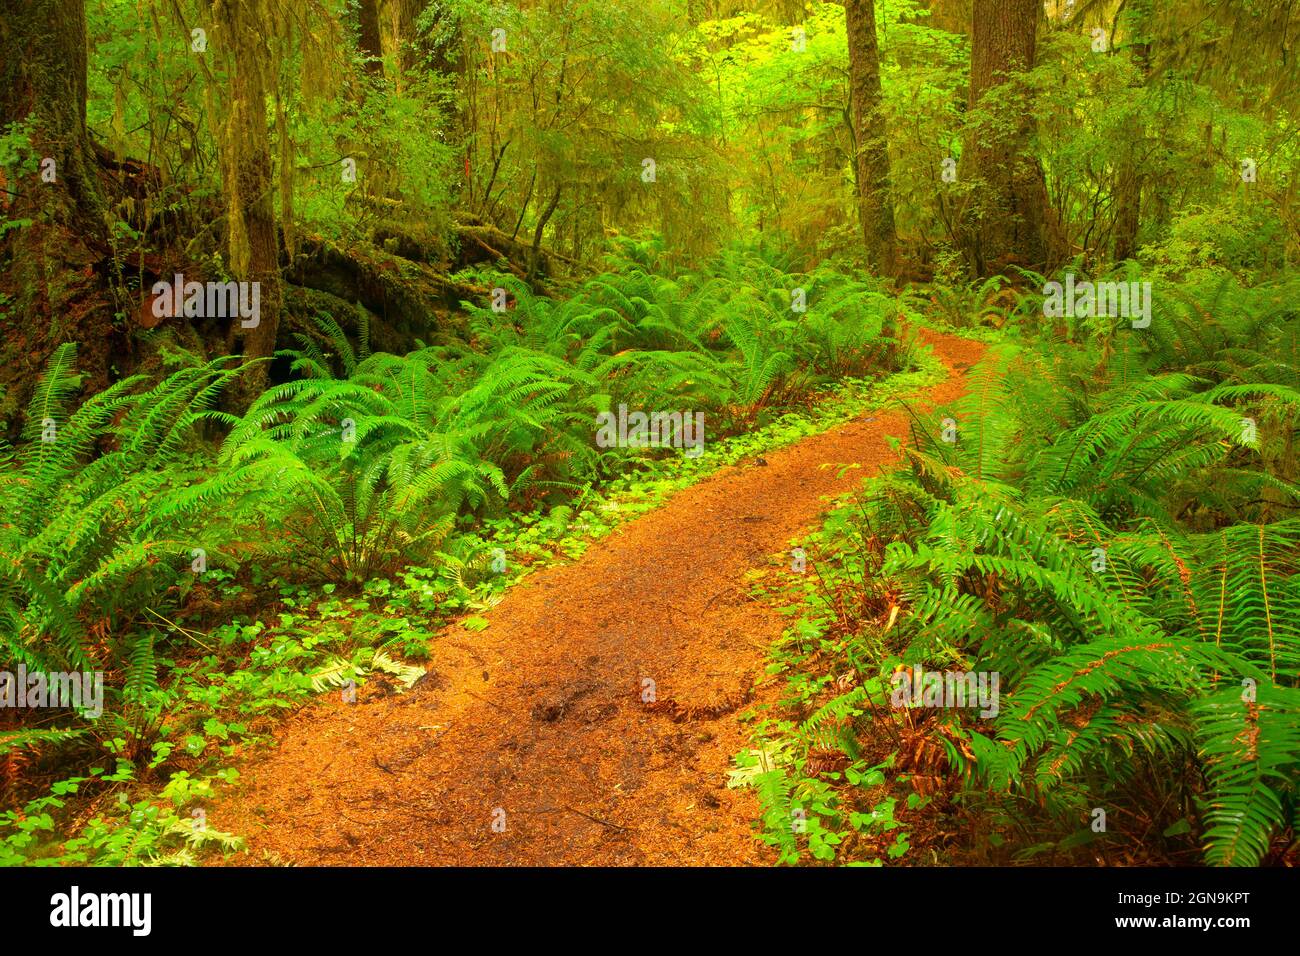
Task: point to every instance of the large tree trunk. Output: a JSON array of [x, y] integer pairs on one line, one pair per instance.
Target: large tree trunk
[[399, 37], [439, 49], [368, 36], [254, 254], [954, 16], [1129, 178], [871, 143], [52, 268], [1012, 208]]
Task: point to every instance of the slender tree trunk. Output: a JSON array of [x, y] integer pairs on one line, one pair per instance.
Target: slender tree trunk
[[254, 254], [535, 255], [53, 267], [871, 152], [1010, 215]]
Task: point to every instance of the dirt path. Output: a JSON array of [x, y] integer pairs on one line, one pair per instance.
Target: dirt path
[[542, 715]]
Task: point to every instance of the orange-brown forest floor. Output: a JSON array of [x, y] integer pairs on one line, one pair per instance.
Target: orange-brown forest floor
[[542, 715]]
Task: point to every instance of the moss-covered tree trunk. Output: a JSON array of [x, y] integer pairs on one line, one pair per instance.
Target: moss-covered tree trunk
[[253, 246], [54, 249], [400, 38], [951, 15], [1130, 177], [368, 36], [1011, 212], [871, 143]]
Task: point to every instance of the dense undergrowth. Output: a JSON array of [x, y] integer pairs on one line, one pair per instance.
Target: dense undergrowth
[[1106, 522], [220, 569]]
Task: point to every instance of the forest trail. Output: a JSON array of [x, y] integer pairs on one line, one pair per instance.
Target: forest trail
[[541, 714]]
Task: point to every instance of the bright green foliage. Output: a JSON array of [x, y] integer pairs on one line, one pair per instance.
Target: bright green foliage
[[380, 463], [102, 512], [373, 469], [670, 193], [1112, 541]]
